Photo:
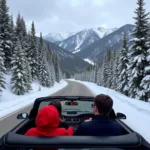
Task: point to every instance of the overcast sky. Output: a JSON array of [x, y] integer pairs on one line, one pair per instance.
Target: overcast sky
[[74, 15]]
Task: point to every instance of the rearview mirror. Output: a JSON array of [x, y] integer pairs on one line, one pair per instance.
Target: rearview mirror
[[121, 116], [22, 116], [71, 103]]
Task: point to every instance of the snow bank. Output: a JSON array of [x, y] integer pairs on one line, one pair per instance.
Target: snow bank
[[137, 112], [10, 102]]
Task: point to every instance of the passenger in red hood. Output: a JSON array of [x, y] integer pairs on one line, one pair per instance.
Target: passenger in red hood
[[47, 122]]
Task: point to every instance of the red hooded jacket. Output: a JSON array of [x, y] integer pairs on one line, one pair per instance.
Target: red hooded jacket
[[47, 122]]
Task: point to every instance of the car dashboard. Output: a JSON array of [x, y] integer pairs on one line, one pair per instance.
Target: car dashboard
[[75, 118]]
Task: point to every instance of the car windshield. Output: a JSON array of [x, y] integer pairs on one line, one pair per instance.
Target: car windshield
[[85, 106]]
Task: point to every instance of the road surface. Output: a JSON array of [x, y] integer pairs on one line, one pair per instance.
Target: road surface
[[72, 89]]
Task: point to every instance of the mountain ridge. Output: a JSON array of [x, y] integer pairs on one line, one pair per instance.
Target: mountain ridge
[[98, 49], [84, 38]]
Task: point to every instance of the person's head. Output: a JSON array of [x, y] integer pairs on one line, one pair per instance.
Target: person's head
[[57, 104], [102, 104], [47, 118]]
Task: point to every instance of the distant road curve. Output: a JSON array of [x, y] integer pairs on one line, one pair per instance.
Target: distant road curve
[[72, 89]]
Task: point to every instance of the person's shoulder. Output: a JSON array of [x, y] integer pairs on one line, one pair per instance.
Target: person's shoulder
[[31, 132], [63, 131], [117, 125]]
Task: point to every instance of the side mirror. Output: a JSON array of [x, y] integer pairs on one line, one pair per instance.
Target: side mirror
[[121, 116], [23, 116]]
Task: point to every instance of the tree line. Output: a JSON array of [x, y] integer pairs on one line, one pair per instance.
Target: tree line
[[126, 70], [24, 55]]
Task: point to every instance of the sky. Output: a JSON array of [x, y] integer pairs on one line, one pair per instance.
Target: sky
[[74, 15]]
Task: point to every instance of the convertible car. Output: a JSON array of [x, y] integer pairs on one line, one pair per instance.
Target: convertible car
[[75, 111]]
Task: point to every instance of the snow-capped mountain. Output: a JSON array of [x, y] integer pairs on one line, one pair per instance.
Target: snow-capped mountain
[[69, 62], [79, 40], [112, 40], [102, 32], [57, 37], [84, 38]]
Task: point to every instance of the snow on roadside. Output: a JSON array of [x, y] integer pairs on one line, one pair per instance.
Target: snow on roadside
[[10, 102], [137, 112]]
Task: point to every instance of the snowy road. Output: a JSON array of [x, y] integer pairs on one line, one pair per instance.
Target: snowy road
[[73, 89]]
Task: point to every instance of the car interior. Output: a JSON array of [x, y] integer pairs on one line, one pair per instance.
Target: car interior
[[72, 113]]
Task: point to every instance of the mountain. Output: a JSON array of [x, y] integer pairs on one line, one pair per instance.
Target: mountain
[[113, 41], [69, 62], [57, 37], [84, 38]]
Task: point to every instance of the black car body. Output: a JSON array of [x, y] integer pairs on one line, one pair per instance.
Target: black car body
[[16, 140]]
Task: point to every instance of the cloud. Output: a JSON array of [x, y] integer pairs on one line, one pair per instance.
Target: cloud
[[74, 15]]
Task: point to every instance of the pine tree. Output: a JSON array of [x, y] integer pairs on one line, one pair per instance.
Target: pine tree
[[32, 52], [105, 71], [115, 71], [21, 34], [109, 69], [146, 80], [2, 69], [53, 79], [18, 28], [5, 36], [123, 68], [40, 50], [100, 73], [19, 75], [96, 73], [12, 33], [43, 72], [138, 52], [56, 67], [29, 77]]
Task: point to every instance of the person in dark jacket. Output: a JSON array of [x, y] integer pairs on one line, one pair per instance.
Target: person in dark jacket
[[100, 124], [58, 106], [47, 122]]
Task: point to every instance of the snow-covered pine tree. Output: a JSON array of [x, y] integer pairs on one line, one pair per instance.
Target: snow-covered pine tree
[[43, 72], [56, 67], [2, 69], [138, 52], [19, 74], [109, 69], [100, 73], [5, 36], [12, 33], [39, 54], [105, 71], [92, 74], [146, 80], [21, 34], [32, 52], [50, 66], [115, 71], [53, 79], [18, 28], [123, 67], [29, 77], [96, 73]]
